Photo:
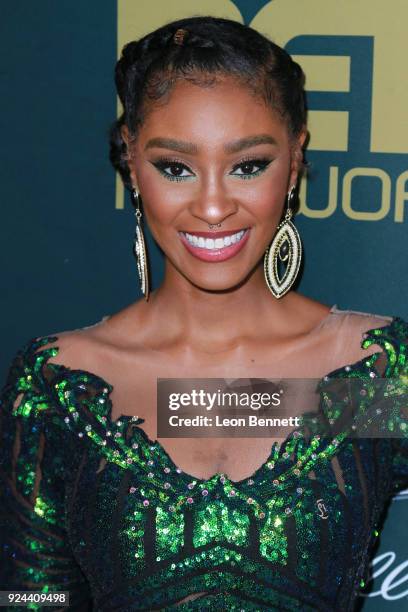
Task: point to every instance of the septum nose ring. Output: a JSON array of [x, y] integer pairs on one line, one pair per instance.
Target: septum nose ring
[[215, 225]]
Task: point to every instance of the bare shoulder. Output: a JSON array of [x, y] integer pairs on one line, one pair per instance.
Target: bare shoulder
[[359, 322], [305, 313], [81, 348], [76, 349], [342, 329], [95, 346], [348, 329], [355, 321]]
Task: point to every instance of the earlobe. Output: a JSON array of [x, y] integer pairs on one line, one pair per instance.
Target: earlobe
[[303, 138], [300, 146], [295, 167], [133, 177], [133, 180]]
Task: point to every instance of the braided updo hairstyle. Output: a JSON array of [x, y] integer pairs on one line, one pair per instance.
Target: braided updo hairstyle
[[149, 67]]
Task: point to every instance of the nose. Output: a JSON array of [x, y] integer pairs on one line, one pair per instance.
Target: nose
[[213, 204]]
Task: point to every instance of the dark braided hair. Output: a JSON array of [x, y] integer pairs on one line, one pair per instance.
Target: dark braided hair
[[149, 67]]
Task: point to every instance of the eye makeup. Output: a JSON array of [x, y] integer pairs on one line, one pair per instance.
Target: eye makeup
[[262, 163], [164, 163]]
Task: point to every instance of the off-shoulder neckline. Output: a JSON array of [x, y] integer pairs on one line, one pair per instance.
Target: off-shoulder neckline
[[368, 337], [35, 343]]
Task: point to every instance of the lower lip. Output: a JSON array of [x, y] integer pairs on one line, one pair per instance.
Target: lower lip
[[215, 254]]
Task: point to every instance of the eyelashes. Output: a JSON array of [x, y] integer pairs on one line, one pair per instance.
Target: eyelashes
[[251, 162], [163, 164]]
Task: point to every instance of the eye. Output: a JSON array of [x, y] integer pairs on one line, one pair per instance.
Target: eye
[[172, 169], [248, 165]]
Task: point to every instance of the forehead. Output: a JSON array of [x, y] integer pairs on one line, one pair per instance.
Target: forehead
[[222, 111]]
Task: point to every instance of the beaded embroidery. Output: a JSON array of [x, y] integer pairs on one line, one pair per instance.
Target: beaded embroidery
[[148, 534]]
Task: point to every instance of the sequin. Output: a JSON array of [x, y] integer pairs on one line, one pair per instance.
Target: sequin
[[281, 539]]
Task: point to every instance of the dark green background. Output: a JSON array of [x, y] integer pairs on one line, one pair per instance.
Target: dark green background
[[67, 253]]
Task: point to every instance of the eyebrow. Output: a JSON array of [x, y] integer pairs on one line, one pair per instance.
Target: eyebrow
[[189, 147]]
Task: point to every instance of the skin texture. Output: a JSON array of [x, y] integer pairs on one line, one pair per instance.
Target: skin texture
[[207, 319], [196, 295]]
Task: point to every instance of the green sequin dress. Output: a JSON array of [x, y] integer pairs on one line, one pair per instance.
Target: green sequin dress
[[94, 507]]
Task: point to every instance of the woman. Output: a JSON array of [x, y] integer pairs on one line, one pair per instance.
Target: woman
[[210, 141]]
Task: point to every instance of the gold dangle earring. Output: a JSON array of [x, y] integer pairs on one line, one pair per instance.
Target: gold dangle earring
[[286, 246], [139, 247]]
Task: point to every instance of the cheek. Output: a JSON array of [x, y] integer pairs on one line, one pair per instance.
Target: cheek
[[162, 202], [268, 196], [262, 197]]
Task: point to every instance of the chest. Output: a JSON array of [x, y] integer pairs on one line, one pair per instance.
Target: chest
[[141, 540], [201, 457]]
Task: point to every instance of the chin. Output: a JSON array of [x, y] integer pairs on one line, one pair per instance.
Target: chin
[[216, 283]]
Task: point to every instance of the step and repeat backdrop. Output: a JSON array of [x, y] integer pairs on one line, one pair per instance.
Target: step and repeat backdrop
[[67, 225]]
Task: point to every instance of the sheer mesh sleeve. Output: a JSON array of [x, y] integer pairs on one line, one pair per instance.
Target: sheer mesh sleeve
[[400, 444], [36, 554]]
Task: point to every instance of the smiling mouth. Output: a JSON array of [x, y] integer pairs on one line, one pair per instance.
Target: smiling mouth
[[213, 241]]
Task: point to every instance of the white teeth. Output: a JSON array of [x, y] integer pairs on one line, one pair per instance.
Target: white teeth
[[210, 243]]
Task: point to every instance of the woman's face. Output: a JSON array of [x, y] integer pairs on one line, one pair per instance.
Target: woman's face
[[213, 155]]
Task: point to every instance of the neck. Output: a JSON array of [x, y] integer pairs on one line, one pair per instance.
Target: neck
[[212, 321]]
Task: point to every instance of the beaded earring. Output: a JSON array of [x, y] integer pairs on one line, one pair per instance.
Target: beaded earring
[[287, 246], [139, 247]]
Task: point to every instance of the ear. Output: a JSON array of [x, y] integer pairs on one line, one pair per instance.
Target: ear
[[126, 135], [128, 156], [297, 155]]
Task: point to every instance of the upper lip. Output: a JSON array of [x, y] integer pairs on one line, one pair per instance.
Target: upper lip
[[215, 234]]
